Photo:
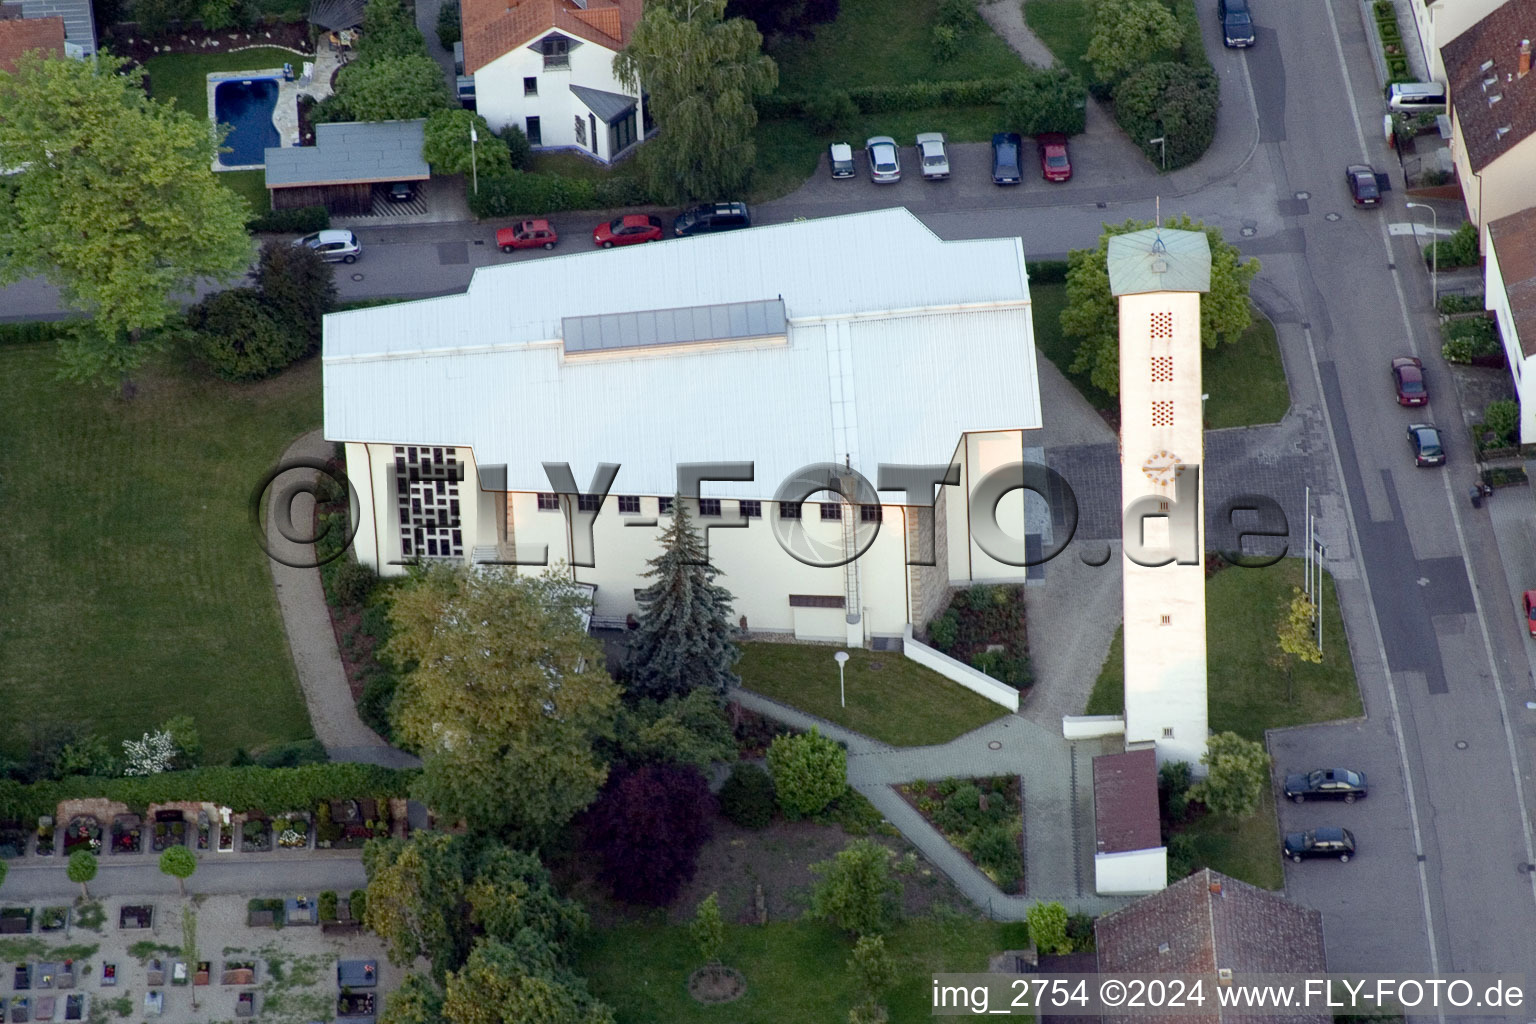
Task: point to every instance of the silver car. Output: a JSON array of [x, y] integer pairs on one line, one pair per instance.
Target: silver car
[[884, 159], [930, 151], [335, 245]]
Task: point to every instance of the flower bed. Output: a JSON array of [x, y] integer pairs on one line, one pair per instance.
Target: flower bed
[[354, 1004], [255, 835], [127, 835], [1505, 476], [13, 839], [204, 830], [54, 919], [292, 831], [169, 831], [984, 627], [348, 824], [982, 818], [83, 833]]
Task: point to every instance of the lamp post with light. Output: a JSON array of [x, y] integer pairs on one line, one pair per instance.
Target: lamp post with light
[[474, 169], [1434, 252], [1162, 143], [842, 693]]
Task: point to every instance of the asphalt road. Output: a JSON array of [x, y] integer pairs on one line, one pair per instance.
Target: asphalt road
[[1442, 880]]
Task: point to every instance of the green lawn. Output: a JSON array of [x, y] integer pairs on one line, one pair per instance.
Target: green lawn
[[1246, 379], [1248, 696], [900, 702], [184, 76], [878, 42], [1066, 28], [795, 971], [135, 590], [250, 184]]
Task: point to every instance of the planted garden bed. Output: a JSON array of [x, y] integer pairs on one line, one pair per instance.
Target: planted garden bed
[[984, 627], [292, 831], [982, 818], [255, 835], [54, 919], [1505, 476], [84, 832], [204, 830], [13, 839], [127, 834], [170, 830], [354, 1004], [45, 838], [348, 824]]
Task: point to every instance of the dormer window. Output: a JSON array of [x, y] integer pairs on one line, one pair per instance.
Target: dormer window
[[556, 50]]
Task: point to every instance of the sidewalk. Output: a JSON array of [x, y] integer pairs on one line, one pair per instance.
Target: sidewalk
[[307, 623], [1056, 780]]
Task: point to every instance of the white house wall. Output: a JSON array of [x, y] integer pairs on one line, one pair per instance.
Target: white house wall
[[1521, 366], [1130, 873], [1502, 188], [499, 94]]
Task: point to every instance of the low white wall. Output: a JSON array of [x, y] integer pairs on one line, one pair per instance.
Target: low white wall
[[1084, 727], [959, 672], [1131, 873]]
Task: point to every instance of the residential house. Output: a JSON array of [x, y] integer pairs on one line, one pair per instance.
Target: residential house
[[1509, 287], [40, 22], [781, 347], [1439, 21], [1493, 111], [1210, 924], [546, 66]]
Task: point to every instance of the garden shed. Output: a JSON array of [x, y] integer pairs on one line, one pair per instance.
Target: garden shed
[[346, 161]]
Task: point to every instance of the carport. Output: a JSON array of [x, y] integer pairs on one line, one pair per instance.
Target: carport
[[346, 161]]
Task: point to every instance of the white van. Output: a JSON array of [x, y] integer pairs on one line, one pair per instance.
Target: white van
[[1416, 97]]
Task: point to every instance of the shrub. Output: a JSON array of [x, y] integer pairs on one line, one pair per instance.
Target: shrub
[[358, 901], [961, 811], [239, 338], [1503, 418], [1046, 101], [1048, 927], [1010, 670], [1460, 250], [960, 15], [1390, 33], [373, 707], [298, 288], [997, 847], [1173, 782], [943, 630], [1080, 933], [1182, 854], [1461, 303], [979, 597], [1191, 43], [327, 906], [809, 771], [1469, 340], [647, 828], [747, 796], [856, 891], [830, 111], [292, 755], [1170, 101], [946, 43], [299, 221], [448, 30], [354, 583], [518, 146]]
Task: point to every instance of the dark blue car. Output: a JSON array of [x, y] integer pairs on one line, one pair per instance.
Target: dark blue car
[[1007, 161]]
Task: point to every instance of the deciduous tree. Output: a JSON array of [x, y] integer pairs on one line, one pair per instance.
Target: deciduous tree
[[179, 863], [685, 640], [1172, 102], [298, 288], [1046, 101], [1237, 772], [1126, 33], [416, 1001], [702, 73], [113, 200], [81, 869], [708, 930], [647, 828], [505, 699], [856, 891], [1092, 315], [809, 771], [689, 730], [1296, 638], [873, 967], [446, 144], [498, 986], [394, 88]]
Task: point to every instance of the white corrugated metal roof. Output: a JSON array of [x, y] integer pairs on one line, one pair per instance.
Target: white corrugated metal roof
[[939, 342]]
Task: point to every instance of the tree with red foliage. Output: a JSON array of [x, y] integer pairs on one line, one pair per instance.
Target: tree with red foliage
[[648, 827]]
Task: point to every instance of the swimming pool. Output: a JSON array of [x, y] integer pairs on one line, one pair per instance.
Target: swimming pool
[[246, 104]]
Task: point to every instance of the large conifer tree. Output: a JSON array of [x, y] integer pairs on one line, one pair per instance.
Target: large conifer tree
[[685, 639]]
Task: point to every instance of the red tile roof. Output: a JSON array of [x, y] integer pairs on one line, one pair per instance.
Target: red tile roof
[[1514, 244], [495, 27], [22, 35], [1208, 922], [1125, 802], [1496, 38]]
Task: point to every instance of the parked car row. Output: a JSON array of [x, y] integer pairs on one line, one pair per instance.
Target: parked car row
[[631, 228], [883, 155], [1323, 784]]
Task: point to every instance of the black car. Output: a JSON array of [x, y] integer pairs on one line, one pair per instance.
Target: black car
[[712, 217], [1007, 163], [402, 192], [1320, 842], [1427, 449], [1326, 784], [1236, 22]]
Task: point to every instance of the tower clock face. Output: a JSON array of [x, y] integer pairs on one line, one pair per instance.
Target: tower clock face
[[1161, 467]]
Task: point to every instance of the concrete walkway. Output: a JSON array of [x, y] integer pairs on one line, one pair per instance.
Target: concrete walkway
[[307, 623], [1056, 779]]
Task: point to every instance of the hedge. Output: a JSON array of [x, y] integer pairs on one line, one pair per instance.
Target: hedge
[[25, 332], [300, 221], [525, 192], [242, 789], [1192, 44], [881, 99]]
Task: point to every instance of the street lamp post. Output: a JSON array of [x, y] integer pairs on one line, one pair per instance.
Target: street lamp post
[[473, 167], [842, 659], [1162, 143], [1203, 400], [1434, 253]]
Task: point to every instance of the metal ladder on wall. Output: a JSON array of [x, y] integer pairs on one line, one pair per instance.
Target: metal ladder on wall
[[853, 609]]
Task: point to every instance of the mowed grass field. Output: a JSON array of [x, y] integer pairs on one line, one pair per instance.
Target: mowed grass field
[[134, 586]]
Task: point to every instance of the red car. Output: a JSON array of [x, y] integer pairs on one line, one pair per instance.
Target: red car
[[530, 234], [628, 230], [1529, 600], [1055, 165], [1408, 375]]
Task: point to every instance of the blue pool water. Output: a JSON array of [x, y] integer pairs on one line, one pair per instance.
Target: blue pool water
[[246, 105]]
